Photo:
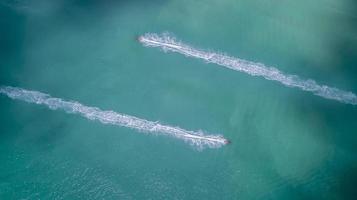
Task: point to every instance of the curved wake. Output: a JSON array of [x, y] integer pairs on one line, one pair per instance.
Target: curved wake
[[169, 43], [197, 139]]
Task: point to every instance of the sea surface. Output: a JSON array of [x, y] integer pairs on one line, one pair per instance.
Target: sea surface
[[285, 143]]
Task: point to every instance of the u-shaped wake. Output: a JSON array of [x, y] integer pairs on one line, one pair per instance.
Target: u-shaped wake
[[169, 43], [197, 139]]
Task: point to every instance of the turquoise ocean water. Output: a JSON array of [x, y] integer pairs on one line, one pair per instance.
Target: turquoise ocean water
[[286, 143]]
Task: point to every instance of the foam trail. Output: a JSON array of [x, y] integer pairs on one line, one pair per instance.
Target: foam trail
[[169, 43], [197, 139]]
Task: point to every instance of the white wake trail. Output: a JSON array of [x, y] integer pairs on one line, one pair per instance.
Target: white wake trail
[[169, 43], [197, 139]]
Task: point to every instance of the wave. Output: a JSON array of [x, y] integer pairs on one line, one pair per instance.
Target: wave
[[169, 43], [197, 139]]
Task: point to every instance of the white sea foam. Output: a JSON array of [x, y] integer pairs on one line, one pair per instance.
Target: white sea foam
[[169, 43], [197, 139]]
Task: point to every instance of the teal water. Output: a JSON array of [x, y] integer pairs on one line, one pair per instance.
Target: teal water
[[286, 143]]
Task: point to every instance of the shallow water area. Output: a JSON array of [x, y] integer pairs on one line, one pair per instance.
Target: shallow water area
[[285, 143]]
